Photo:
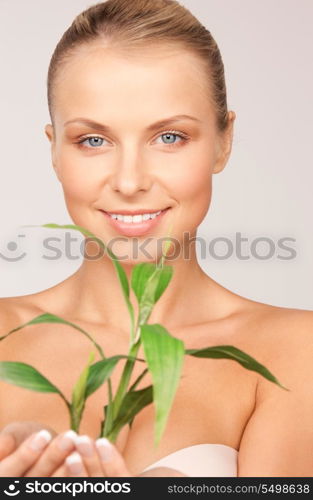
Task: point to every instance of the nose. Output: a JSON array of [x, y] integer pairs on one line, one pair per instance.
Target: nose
[[130, 173]]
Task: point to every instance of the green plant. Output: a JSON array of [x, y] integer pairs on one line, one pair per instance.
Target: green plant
[[163, 353]]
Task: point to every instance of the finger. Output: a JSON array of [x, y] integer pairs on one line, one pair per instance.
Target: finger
[[22, 430], [112, 462], [88, 452], [74, 466], [54, 455], [18, 463], [7, 445], [61, 471]]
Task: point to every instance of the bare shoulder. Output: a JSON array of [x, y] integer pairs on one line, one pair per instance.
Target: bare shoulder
[[290, 318], [273, 323], [278, 437], [271, 334], [290, 349], [282, 331], [9, 314], [279, 337], [15, 311]]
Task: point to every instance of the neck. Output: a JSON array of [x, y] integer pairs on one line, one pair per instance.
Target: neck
[[96, 293]]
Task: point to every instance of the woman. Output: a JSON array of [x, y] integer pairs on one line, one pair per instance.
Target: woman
[[139, 125]]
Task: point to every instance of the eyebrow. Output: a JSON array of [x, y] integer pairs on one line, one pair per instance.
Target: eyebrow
[[101, 127]]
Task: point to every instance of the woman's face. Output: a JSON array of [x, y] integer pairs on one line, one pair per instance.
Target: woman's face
[[136, 134]]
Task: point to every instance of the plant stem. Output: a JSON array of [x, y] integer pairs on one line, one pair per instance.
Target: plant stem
[[113, 435], [74, 424], [122, 388], [135, 342], [108, 420]]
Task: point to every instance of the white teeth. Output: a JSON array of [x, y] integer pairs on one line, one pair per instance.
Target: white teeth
[[134, 218]]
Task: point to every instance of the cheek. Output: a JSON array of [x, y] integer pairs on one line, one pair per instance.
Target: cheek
[[193, 186], [193, 182], [187, 179], [78, 177]]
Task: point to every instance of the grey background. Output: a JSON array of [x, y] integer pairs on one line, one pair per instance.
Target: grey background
[[265, 190]]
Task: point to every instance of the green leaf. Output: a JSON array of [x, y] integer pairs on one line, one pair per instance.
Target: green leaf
[[99, 372], [79, 396], [152, 286], [26, 376], [231, 352], [133, 403], [79, 390], [164, 279], [141, 275], [167, 246], [52, 318], [149, 282], [164, 355]]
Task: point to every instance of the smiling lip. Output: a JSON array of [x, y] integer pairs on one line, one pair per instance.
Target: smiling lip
[[134, 228]]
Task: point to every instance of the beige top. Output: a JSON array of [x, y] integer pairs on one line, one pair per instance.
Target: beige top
[[202, 460]]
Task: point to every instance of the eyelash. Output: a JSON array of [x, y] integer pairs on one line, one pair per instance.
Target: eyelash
[[185, 138]]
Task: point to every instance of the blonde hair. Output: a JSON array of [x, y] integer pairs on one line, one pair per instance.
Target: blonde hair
[[135, 24]]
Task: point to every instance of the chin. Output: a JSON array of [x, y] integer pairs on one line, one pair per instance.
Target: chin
[[136, 250]]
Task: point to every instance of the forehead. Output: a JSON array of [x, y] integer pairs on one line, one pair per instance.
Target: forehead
[[148, 81]]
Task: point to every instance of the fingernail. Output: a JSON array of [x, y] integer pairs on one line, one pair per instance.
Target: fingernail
[[84, 445], [105, 449], [40, 440], [67, 440], [74, 463]]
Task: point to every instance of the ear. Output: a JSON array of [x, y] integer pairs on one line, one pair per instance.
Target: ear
[[224, 144], [49, 131]]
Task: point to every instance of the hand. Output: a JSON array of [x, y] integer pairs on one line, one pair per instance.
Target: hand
[[37, 455], [102, 459], [91, 458], [13, 434], [19, 459]]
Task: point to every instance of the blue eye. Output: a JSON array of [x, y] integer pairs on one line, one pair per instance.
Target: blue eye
[[168, 137], [93, 141]]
